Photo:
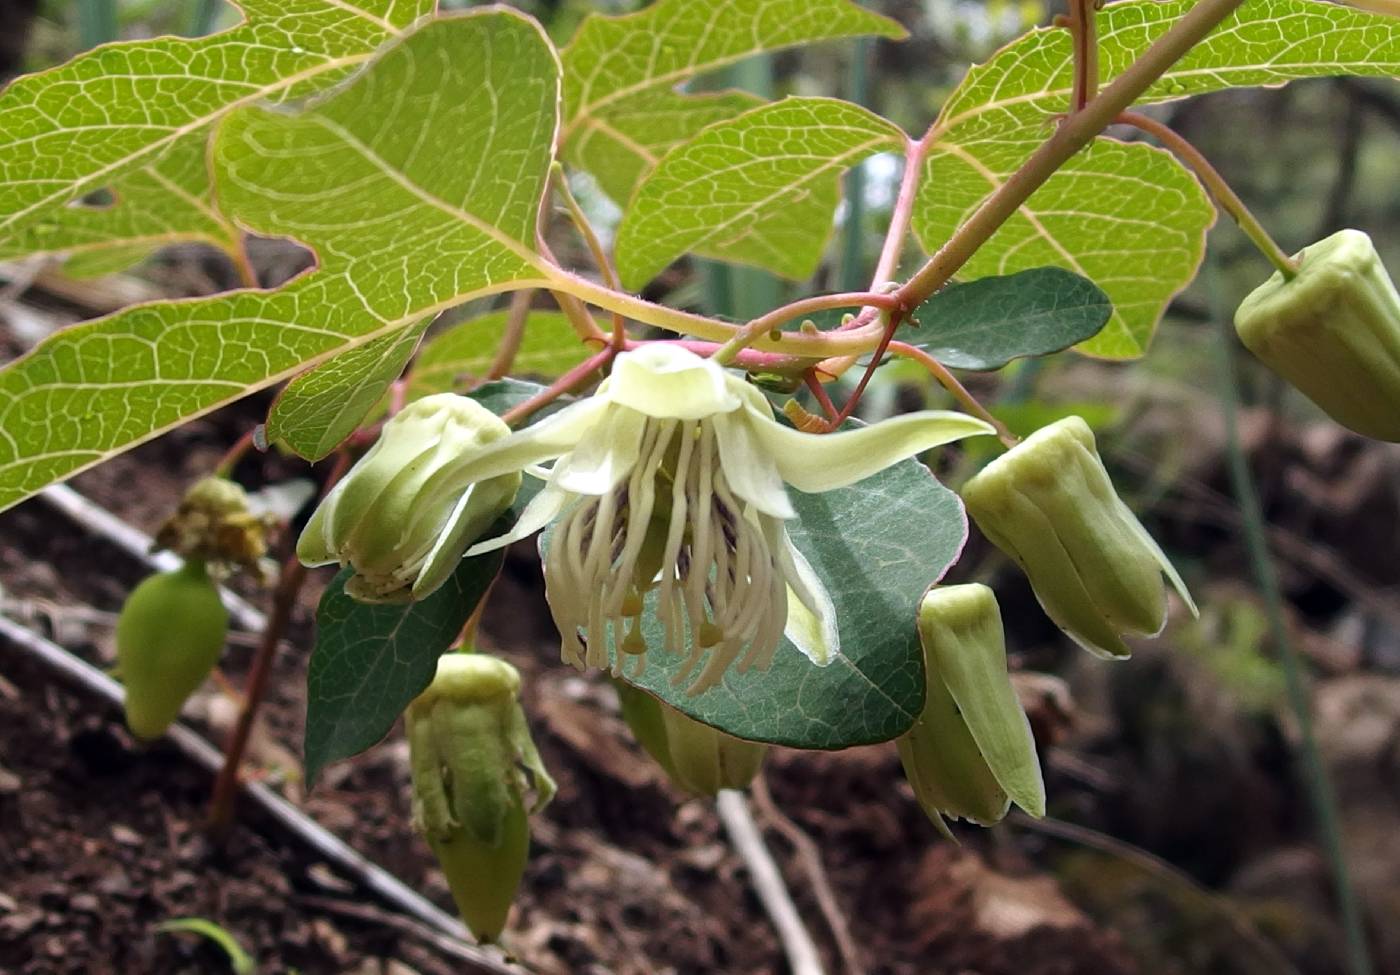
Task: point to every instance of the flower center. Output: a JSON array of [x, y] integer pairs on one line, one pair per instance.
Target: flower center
[[673, 535]]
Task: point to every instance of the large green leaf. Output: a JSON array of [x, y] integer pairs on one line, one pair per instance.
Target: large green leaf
[[1126, 216], [167, 200], [370, 661], [758, 189], [80, 126], [418, 185], [988, 322], [454, 357], [621, 73], [877, 545], [318, 410]]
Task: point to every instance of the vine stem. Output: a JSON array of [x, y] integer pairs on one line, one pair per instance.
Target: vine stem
[[595, 247], [560, 386], [1321, 795], [506, 352], [950, 382], [1073, 134], [1226, 197], [284, 598], [1083, 27], [764, 324]]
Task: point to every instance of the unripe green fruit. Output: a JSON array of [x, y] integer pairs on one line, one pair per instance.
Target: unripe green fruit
[[696, 757], [169, 636], [484, 878]]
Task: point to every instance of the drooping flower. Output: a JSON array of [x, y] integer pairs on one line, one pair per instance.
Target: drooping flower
[[392, 521], [1333, 330], [1050, 505], [971, 753], [670, 478]]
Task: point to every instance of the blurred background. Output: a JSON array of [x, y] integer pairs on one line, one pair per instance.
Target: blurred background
[[1181, 837]]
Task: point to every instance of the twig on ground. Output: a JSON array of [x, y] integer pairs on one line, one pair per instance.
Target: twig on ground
[[368, 913], [370, 875], [801, 951], [811, 858]]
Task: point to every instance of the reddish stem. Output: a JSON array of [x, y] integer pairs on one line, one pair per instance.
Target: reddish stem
[[560, 386], [815, 385], [284, 599]]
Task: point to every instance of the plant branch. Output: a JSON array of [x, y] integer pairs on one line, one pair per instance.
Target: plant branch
[[595, 247], [950, 382], [284, 599], [773, 320], [519, 313], [564, 384], [1225, 197], [1073, 134], [767, 880], [1083, 28]]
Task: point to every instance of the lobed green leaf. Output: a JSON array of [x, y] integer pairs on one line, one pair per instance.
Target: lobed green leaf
[[759, 189]]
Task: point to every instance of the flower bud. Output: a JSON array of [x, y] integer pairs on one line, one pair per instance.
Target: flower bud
[[389, 519], [696, 757], [169, 636], [1049, 504], [1333, 331], [469, 752], [970, 754]]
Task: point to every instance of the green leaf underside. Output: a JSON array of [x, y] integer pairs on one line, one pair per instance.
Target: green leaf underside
[[988, 322], [621, 73], [1125, 216], [167, 200], [454, 357], [82, 125], [370, 661], [877, 545], [758, 189], [318, 410], [417, 185]]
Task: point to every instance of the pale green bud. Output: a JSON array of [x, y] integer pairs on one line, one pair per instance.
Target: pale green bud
[[469, 752], [387, 519], [1049, 504], [696, 757], [1333, 331], [971, 753]]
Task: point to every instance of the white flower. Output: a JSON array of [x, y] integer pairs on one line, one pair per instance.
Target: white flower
[[671, 478]]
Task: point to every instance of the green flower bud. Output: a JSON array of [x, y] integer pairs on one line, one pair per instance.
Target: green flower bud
[[469, 752], [1049, 504], [390, 522], [1333, 331], [696, 757], [970, 754], [169, 636]]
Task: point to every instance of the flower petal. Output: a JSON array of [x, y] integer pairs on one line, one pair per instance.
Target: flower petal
[[748, 467], [604, 456], [541, 510], [823, 462], [551, 437], [811, 615], [670, 382]]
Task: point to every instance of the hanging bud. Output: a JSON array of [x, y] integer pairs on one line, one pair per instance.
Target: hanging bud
[[169, 636], [1333, 331], [696, 757], [1049, 504], [469, 752], [391, 519], [970, 754]]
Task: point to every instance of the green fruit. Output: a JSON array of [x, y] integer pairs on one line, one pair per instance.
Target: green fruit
[[169, 636], [696, 757], [484, 878]]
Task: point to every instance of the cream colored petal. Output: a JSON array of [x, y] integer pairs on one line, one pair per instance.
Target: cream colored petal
[[811, 616], [542, 509], [751, 472], [604, 456], [669, 382], [823, 462]]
